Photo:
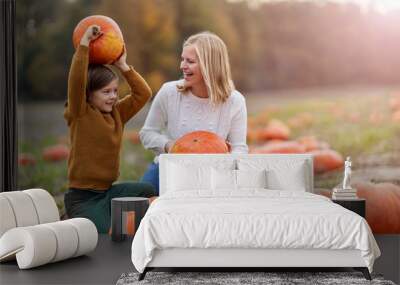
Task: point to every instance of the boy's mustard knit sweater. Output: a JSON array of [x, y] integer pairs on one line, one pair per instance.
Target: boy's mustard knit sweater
[[96, 137]]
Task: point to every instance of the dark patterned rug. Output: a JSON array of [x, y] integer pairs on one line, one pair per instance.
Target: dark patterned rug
[[273, 278]]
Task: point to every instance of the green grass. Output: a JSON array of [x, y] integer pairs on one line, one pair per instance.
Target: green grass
[[52, 176], [345, 136], [134, 161]]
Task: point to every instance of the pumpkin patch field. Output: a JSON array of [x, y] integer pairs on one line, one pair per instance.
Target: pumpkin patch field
[[365, 127], [329, 123], [331, 126]]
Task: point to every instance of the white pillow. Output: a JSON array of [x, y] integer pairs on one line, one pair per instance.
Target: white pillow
[[182, 177], [227, 179], [223, 179], [293, 180], [288, 174], [251, 178]]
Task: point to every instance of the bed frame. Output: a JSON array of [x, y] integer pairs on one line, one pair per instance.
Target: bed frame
[[245, 259]]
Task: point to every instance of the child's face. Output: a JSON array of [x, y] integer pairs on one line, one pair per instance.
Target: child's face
[[190, 66], [105, 98]]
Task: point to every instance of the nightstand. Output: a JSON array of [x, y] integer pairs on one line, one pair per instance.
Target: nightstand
[[126, 215], [355, 205]]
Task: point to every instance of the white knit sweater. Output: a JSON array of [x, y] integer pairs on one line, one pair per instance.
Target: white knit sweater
[[173, 114]]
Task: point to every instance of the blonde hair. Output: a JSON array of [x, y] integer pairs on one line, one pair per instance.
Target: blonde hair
[[214, 66]]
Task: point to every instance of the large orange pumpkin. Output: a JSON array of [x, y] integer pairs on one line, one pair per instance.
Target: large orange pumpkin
[[108, 47], [326, 160], [382, 206], [311, 143], [275, 130], [280, 147], [200, 142]]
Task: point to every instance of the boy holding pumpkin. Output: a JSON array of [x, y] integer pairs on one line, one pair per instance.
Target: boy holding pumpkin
[[96, 119]]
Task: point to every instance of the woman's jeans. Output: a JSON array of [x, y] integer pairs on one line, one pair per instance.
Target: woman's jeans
[[96, 205], [151, 176]]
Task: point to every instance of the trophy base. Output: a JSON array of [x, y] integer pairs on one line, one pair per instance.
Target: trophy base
[[344, 193], [352, 190]]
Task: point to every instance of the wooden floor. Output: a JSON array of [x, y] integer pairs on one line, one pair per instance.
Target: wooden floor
[[110, 259], [102, 266]]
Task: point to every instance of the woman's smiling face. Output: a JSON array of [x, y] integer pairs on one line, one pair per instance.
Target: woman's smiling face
[[190, 67], [105, 98]]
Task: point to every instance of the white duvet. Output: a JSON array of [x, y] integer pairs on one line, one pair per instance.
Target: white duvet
[[250, 219]]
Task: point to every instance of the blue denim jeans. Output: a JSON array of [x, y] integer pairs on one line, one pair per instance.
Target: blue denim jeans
[[151, 176]]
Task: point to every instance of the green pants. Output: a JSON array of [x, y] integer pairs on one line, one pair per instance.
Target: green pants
[[96, 205]]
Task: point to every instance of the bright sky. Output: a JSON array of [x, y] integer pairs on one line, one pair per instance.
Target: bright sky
[[382, 6], [388, 5]]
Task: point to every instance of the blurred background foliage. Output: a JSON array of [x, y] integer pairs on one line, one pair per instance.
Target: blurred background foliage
[[328, 71], [272, 45]]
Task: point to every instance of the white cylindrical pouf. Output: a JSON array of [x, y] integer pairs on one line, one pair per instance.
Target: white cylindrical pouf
[[67, 239], [45, 205], [34, 246], [87, 235], [40, 247], [23, 208], [7, 218]]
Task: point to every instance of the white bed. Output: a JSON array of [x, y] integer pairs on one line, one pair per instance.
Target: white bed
[[214, 211]]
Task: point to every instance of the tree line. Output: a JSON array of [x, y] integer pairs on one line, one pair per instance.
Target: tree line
[[274, 45]]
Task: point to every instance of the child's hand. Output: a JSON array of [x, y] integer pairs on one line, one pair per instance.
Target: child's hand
[[92, 33], [121, 62]]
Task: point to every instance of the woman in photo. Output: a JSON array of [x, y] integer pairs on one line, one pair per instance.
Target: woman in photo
[[205, 99]]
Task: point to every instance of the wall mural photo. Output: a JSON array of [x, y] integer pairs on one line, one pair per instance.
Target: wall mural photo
[[318, 78]]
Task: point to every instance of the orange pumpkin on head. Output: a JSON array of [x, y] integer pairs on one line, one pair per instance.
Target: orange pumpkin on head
[[200, 142], [108, 47]]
